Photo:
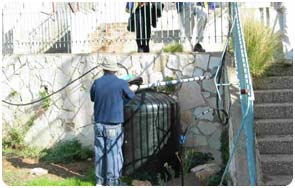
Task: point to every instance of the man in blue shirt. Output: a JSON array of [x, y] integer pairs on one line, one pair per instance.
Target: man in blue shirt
[[108, 94]]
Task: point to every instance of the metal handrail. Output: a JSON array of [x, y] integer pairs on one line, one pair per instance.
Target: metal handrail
[[246, 97]]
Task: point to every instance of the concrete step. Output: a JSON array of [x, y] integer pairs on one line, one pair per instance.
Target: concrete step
[[277, 180], [273, 96], [273, 111], [274, 82], [274, 127], [275, 144], [280, 69], [280, 164]]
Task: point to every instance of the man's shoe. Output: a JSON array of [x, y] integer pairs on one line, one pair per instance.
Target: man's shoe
[[198, 48]]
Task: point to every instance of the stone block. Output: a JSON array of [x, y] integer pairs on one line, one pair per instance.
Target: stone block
[[155, 77], [202, 60], [206, 167], [214, 62], [206, 94], [84, 135], [203, 113], [212, 102], [168, 72], [188, 70], [200, 141], [174, 62], [195, 131], [208, 85], [202, 172], [186, 117], [207, 128], [186, 59], [141, 183], [38, 171], [190, 140], [214, 140], [198, 72], [190, 96], [160, 62]]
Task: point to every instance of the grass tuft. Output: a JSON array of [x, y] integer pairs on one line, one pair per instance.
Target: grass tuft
[[261, 45], [173, 47], [89, 180]]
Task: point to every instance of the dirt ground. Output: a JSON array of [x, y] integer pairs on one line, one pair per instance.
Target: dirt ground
[[15, 169]]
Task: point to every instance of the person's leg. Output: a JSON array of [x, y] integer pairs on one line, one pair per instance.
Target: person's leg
[[146, 46], [139, 29], [139, 45], [99, 146], [198, 34], [201, 22], [146, 27], [114, 144], [186, 25]]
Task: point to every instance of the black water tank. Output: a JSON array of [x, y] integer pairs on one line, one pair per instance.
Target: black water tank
[[151, 118]]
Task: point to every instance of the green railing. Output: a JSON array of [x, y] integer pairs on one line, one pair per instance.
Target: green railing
[[246, 96]]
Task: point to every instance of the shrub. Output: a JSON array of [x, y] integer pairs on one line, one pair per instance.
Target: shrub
[[261, 45], [14, 139], [173, 47], [66, 152]]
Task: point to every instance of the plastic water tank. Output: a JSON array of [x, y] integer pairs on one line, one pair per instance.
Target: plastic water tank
[[151, 118]]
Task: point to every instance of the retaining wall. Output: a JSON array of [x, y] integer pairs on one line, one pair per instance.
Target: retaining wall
[[69, 112]]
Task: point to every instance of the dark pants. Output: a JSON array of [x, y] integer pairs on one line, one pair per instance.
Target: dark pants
[[143, 45], [143, 32]]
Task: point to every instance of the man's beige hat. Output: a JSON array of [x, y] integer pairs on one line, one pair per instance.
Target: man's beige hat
[[109, 64]]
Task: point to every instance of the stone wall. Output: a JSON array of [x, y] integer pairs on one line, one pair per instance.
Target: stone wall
[[69, 114]]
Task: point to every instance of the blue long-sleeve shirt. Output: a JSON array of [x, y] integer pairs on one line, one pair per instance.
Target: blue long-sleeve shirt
[[108, 94]]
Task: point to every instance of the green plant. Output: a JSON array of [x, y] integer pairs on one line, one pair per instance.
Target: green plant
[[261, 45], [29, 123], [45, 101], [193, 158], [44, 181], [14, 143], [12, 178], [31, 152], [14, 139], [12, 93], [215, 179], [126, 179], [88, 180], [168, 88], [66, 152], [173, 47]]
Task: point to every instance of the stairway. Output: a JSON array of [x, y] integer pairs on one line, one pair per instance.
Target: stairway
[[274, 125]]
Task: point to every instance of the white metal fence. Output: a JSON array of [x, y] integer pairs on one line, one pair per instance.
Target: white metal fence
[[47, 27]]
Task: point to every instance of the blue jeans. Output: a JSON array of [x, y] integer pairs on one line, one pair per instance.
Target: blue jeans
[[108, 141]]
